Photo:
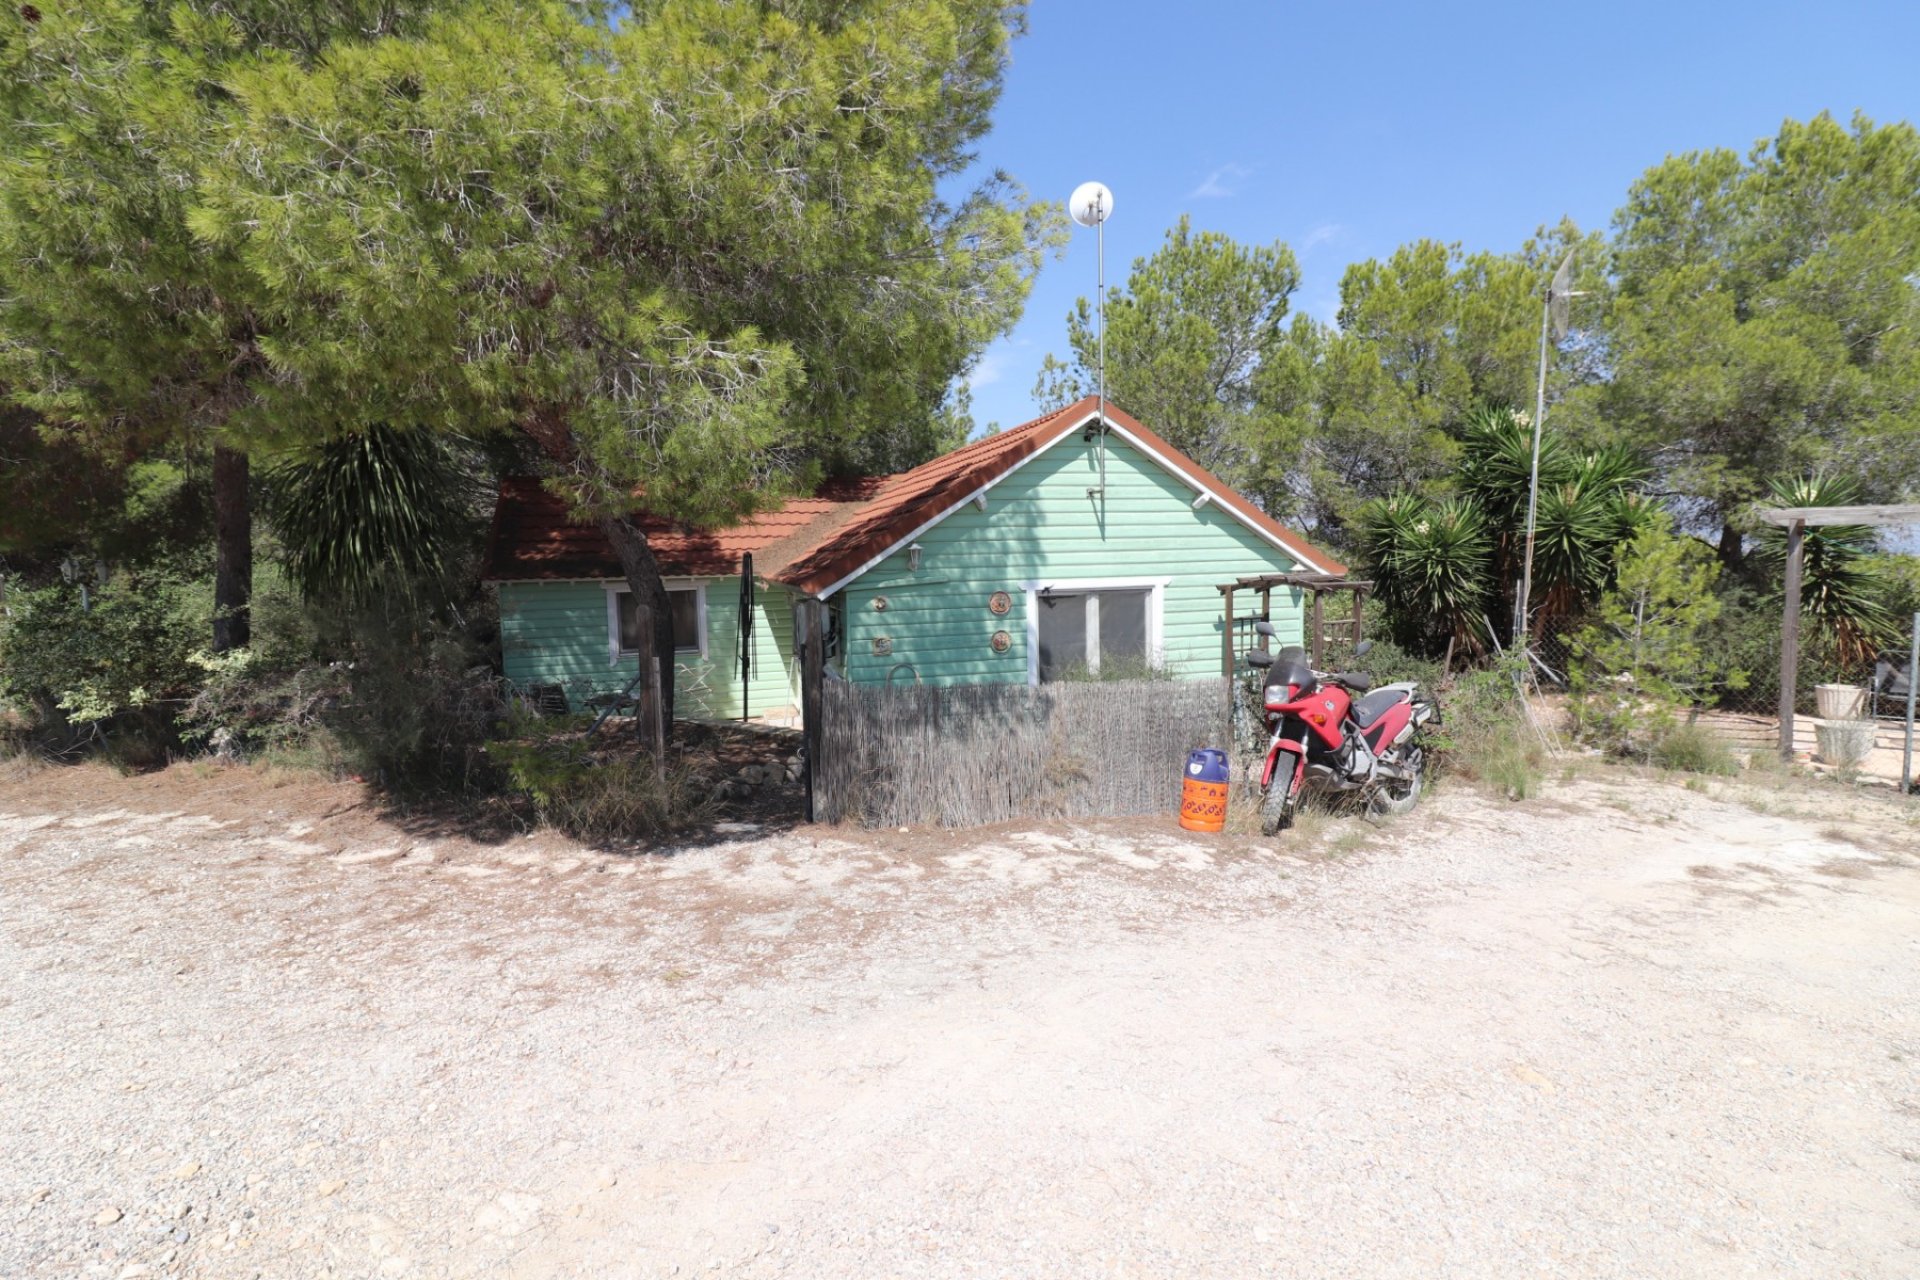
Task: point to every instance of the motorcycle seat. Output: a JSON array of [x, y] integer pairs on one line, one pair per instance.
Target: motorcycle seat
[[1370, 708]]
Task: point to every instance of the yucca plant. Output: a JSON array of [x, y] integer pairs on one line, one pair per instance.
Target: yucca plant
[[1839, 594], [1433, 562], [368, 513], [1496, 469]]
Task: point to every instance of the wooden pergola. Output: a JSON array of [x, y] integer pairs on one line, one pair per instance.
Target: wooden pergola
[[1317, 586], [1795, 520]]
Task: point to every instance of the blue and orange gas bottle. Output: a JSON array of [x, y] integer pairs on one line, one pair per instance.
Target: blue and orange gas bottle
[[1203, 791]]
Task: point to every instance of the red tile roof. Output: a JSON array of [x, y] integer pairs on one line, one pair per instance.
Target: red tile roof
[[534, 538], [814, 543]]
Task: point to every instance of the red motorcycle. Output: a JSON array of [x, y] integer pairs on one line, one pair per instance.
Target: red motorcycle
[[1326, 739]]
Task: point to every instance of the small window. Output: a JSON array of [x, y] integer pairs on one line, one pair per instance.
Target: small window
[[1082, 632], [688, 614]]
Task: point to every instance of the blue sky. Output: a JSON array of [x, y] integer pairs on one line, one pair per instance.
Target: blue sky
[[1346, 129]]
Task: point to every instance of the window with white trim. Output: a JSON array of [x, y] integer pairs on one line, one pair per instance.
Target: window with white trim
[[1079, 630], [689, 606]]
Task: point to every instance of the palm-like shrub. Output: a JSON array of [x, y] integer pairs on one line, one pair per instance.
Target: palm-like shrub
[[1433, 563], [1425, 555], [378, 511], [1496, 467], [1839, 593]]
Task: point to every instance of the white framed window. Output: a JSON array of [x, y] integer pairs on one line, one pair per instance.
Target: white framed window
[[687, 599], [1074, 625]]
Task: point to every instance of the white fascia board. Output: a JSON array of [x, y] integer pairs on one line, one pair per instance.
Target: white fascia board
[[1194, 483], [976, 494]]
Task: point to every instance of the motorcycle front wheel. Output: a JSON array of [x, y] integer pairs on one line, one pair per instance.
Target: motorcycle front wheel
[[1395, 796], [1276, 809]]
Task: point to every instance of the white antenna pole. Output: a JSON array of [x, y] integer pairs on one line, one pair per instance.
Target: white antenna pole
[[1100, 241], [1522, 632], [1090, 205]]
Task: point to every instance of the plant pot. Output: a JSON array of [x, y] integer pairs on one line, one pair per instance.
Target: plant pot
[[1844, 743], [1840, 701]]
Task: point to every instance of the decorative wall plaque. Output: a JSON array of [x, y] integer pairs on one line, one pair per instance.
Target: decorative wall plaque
[[999, 602], [882, 646], [1001, 642]]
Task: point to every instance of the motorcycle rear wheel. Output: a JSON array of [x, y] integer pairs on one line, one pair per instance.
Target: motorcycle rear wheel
[[1395, 796], [1276, 809]]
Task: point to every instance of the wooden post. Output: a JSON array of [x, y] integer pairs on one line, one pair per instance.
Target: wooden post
[[648, 722], [656, 725], [1319, 628], [1226, 635], [1359, 601], [813, 674], [1790, 635], [1913, 691]]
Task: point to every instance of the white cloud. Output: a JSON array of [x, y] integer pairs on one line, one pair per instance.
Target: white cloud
[[989, 369], [1221, 183], [1322, 234]]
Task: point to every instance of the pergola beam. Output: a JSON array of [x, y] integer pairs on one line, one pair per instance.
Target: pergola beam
[[1796, 521], [1789, 516]]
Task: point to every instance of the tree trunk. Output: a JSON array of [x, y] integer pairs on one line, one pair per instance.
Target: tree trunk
[[233, 552], [643, 579], [1732, 549]]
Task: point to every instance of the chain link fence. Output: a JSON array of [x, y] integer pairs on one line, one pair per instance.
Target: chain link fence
[[1850, 710]]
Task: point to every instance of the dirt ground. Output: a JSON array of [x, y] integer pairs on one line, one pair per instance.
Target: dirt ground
[[252, 1028]]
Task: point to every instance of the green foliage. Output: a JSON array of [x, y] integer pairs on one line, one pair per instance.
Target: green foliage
[[1433, 563], [1486, 734], [1187, 339], [1446, 569], [418, 699], [1648, 652], [1113, 669], [120, 663], [1839, 594], [601, 798], [377, 511], [1766, 315]]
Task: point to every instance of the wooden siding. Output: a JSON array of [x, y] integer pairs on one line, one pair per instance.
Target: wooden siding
[[556, 633], [1040, 525]]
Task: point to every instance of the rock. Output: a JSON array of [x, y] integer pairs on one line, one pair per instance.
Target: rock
[[187, 1170], [181, 1235], [605, 1179], [134, 1270], [106, 1217], [333, 1187], [39, 1194]]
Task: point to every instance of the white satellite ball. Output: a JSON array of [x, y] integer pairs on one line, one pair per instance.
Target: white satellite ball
[[1091, 204]]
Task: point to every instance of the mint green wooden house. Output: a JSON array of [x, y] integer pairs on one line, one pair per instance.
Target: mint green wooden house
[[1040, 553]]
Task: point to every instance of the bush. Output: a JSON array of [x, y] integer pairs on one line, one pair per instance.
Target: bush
[[601, 797], [1693, 748], [418, 702], [115, 667], [1646, 655], [1487, 735]]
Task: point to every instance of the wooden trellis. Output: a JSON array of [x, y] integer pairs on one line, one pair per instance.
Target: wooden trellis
[[1323, 625]]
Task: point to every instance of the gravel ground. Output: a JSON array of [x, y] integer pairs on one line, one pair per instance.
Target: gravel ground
[[1618, 1032]]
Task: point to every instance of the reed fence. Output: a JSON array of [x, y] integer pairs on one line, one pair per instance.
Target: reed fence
[[967, 755]]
